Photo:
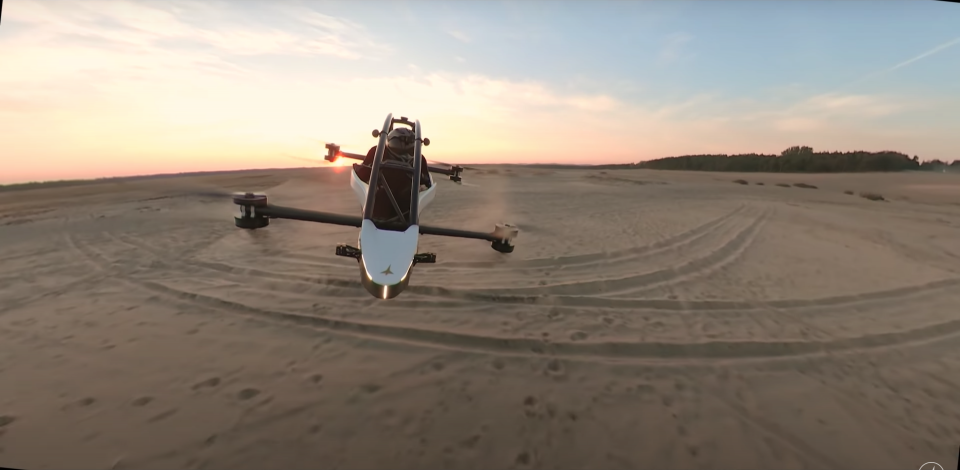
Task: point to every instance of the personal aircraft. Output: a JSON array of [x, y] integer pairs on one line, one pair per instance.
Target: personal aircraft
[[402, 186]]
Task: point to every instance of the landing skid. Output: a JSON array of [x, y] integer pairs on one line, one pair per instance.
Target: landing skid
[[348, 251], [425, 258], [353, 252]]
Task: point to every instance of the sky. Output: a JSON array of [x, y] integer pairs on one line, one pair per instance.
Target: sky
[[113, 88]]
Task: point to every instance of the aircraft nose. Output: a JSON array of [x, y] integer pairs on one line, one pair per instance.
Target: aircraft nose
[[386, 258], [385, 276], [384, 284]]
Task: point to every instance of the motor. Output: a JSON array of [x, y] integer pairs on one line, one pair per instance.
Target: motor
[[249, 219]]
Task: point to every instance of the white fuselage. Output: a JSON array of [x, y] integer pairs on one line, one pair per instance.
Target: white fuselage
[[386, 257]]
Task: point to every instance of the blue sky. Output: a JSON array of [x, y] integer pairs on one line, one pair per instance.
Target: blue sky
[[686, 47], [187, 85]]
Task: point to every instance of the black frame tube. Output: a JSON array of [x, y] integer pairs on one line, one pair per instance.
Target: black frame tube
[[281, 212], [393, 201], [452, 232], [431, 169], [375, 170], [355, 156], [415, 187], [376, 179]]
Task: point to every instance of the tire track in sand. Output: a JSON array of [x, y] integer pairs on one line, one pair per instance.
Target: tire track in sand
[[727, 253], [581, 260], [529, 347], [798, 445], [609, 259], [244, 274], [86, 281], [590, 259]]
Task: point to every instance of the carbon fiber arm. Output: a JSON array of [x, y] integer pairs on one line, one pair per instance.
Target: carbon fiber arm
[[280, 212]]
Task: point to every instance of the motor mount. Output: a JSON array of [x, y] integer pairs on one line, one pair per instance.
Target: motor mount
[[456, 170], [333, 152], [349, 251], [426, 258], [505, 233], [249, 202]]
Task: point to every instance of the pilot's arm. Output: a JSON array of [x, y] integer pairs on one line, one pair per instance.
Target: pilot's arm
[[424, 173], [368, 160]]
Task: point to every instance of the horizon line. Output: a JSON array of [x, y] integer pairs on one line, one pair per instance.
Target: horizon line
[[105, 179]]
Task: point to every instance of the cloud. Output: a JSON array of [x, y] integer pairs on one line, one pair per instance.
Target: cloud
[[459, 35], [905, 63], [286, 28], [925, 54], [834, 105], [697, 104], [798, 124], [823, 111], [673, 47], [860, 106]]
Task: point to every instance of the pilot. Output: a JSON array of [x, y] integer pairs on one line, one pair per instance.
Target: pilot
[[400, 148]]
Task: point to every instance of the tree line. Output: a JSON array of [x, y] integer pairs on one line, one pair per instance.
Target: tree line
[[801, 159]]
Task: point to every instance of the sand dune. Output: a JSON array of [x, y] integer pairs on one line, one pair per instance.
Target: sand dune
[[646, 320]]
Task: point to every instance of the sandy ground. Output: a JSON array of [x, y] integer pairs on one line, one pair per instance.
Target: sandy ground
[[646, 320]]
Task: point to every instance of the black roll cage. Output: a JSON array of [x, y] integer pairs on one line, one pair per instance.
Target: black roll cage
[[377, 179]]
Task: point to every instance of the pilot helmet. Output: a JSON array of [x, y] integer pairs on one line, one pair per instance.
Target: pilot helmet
[[400, 141]]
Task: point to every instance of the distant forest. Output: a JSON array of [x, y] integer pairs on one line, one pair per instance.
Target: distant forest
[[791, 160], [800, 159]]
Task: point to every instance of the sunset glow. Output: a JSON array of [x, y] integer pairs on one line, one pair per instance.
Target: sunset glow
[[90, 89], [340, 161]]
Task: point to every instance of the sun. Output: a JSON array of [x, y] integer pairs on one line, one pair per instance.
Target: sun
[[341, 161]]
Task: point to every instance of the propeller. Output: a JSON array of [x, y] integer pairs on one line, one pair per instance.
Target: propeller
[[461, 183], [432, 162], [206, 192], [451, 165], [311, 160], [525, 225]]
